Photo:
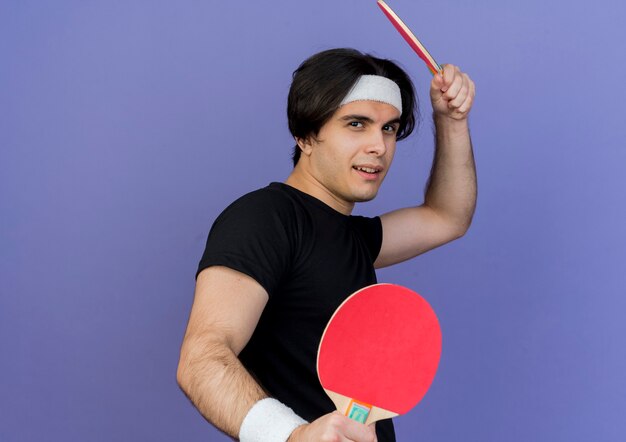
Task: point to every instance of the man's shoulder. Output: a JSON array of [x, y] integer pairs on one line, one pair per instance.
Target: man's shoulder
[[276, 200], [272, 196]]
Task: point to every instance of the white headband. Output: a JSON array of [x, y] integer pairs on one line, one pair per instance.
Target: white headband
[[375, 88]]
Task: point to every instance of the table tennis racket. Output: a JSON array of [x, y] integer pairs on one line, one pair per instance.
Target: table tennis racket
[[410, 38], [379, 352]]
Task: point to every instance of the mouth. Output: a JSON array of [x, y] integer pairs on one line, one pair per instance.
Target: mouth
[[368, 172]]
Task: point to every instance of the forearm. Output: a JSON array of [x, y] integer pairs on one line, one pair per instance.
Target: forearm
[[451, 188], [216, 382]]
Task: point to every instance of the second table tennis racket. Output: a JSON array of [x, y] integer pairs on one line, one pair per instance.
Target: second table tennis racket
[[379, 353]]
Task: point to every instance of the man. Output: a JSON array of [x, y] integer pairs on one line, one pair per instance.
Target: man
[[280, 260]]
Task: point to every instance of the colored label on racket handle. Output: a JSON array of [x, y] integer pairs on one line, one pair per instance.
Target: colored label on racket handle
[[358, 411]]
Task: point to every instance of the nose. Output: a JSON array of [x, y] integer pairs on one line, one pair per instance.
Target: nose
[[376, 144]]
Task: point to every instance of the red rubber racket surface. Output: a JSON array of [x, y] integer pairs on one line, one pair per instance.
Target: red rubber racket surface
[[410, 38], [382, 347]]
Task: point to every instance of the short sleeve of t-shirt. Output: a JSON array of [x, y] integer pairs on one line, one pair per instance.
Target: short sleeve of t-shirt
[[251, 236], [371, 232]]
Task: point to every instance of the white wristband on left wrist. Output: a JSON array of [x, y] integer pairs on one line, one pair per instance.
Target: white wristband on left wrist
[[269, 420]]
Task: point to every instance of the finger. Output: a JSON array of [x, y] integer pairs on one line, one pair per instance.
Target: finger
[[373, 427], [356, 431], [435, 86], [438, 81], [455, 87], [469, 101], [461, 96], [449, 74]]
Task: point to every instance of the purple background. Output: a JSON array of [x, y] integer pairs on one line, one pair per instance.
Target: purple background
[[127, 126]]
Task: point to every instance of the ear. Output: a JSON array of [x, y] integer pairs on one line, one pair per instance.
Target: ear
[[305, 145]]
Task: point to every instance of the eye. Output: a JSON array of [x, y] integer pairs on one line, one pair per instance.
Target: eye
[[355, 124], [390, 128]]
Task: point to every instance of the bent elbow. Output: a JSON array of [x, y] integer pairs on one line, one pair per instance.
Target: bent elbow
[[454, 232], [461, 231], [460, 227], [183, 370], [181, 375]]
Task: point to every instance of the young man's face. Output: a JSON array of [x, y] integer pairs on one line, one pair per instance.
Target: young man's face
[[353, 151]]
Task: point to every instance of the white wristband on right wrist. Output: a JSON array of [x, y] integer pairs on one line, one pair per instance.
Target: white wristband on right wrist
[[269, 421]]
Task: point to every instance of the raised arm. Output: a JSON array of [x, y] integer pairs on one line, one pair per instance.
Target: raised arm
[[450, 197]]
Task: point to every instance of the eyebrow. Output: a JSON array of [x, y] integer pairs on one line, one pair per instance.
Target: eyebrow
[[366, 119]]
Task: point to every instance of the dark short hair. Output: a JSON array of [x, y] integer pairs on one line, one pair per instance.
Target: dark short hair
[[324, 79]]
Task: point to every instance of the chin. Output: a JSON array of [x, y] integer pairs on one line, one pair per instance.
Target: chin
[[365, 198]]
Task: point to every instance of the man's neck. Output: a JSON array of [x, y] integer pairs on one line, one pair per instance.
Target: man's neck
[[305, 182]]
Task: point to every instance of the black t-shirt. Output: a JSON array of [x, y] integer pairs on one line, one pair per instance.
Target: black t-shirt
[[309, 258]]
